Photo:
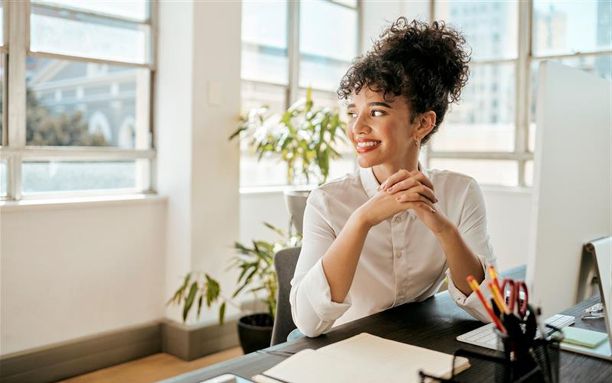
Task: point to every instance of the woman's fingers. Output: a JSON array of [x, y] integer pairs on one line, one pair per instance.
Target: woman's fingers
[[422, 179], [404, 185], [395, 178], [402, 175], [413, 185], [410, 196], [416, 201]]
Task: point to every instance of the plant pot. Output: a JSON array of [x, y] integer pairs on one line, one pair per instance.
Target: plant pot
[[295, 200], [255, 332]]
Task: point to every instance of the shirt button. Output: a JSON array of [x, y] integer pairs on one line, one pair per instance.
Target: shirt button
[[398, 254]]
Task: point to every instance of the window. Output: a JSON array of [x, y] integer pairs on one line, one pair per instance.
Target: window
[[280, 60], [490, 133], [84, 81]]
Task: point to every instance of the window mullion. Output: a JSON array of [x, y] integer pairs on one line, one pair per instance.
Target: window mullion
[[293, 49], [18, 45], [522, 85]]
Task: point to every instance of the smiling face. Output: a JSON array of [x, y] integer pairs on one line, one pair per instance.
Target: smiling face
[[381, 131]]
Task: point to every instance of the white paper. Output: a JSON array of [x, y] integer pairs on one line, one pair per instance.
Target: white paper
[[364, 358]]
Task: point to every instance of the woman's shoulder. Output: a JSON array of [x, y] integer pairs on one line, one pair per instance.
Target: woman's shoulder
[[451, 183], [337, 187]]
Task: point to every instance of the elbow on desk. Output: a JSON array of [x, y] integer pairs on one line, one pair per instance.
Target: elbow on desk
[[309, 327], [312, 331]]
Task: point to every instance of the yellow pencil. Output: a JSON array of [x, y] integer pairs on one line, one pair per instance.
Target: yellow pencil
[[497, 297], [493, 275], [476, 288]]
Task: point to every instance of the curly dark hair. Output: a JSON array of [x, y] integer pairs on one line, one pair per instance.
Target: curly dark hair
[[427, 64]]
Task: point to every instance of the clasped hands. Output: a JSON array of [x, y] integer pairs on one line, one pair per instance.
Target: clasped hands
[[402, 191]]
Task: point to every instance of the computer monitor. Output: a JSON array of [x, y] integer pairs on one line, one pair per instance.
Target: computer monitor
[[603, 258], [572, 176]]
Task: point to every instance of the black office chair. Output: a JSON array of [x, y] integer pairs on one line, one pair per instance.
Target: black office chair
[[284, 264]]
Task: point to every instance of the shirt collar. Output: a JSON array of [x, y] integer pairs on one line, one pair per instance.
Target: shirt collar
[[370, 183]]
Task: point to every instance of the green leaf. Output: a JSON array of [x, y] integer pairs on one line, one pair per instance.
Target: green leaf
[[199, 305], [239, 289], [176, 298], [189, 300], [237, 132], [213, 290]]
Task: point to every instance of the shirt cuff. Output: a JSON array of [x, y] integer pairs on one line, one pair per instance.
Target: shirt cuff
[[471, 303], [317, 291]]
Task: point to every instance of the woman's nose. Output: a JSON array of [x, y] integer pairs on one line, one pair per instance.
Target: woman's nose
[[360, 126]]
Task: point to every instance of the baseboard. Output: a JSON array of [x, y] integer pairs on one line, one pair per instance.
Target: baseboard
[[68, 359], [189, 342], [73, 358]]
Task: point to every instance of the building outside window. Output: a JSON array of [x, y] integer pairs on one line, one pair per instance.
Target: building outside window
[[82, 72], [490, 133]]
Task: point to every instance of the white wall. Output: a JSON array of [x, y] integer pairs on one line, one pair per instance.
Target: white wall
[[198, 106], [73, 270]]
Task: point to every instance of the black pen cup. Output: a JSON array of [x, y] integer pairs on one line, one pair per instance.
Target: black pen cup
[[528, 362]]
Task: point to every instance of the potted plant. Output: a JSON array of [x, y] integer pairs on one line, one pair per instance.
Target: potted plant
[[304, 136], [257, 276]]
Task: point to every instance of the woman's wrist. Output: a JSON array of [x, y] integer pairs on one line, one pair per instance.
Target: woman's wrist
[[446, 231], [360, 218]]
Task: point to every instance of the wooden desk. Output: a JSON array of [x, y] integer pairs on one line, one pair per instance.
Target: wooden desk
[[433, 324]]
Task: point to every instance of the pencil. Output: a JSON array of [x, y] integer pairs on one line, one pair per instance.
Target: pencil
[[497, 297], [476, 288], [493, 275]]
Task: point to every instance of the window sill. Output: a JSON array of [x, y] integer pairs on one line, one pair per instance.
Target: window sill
[[80, 202]]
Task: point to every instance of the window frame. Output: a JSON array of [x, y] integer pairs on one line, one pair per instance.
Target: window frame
[[523, 98], [14, 150], [292, 88]]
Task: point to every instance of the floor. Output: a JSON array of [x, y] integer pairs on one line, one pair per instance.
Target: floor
[[152, 368]]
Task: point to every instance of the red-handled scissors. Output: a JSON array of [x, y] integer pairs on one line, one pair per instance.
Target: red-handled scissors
[[517, 295]]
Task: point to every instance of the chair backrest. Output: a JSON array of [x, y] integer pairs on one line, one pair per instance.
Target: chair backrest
[[284, 264]]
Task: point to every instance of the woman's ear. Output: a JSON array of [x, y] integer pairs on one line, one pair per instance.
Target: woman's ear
[[427, 121]]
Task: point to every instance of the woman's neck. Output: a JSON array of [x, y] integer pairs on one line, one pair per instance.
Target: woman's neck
[[385, 170]]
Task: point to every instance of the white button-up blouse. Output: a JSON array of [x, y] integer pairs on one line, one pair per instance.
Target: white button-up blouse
[[401, 260]]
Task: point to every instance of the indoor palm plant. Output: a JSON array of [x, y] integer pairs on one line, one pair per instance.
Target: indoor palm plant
[[257, 276], [305, 137]]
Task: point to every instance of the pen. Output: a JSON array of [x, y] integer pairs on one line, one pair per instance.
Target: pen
[[476, 288]]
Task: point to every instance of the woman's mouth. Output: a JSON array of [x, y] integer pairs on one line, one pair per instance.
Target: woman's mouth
[[366, 146]]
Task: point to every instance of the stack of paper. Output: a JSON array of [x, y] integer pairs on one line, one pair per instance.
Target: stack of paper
[[363, 358]]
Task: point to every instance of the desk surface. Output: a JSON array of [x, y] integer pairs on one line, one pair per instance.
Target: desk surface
[[433, 324]]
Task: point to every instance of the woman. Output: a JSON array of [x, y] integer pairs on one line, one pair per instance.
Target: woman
[[390, 233]]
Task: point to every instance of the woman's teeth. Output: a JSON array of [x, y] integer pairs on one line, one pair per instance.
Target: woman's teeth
[[367, 144]]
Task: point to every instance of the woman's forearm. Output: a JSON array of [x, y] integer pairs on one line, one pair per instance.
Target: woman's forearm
[[461, 260], [341, 259]]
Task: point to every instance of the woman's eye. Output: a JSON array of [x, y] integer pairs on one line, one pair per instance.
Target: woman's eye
[[377, 113], [352, 115]]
